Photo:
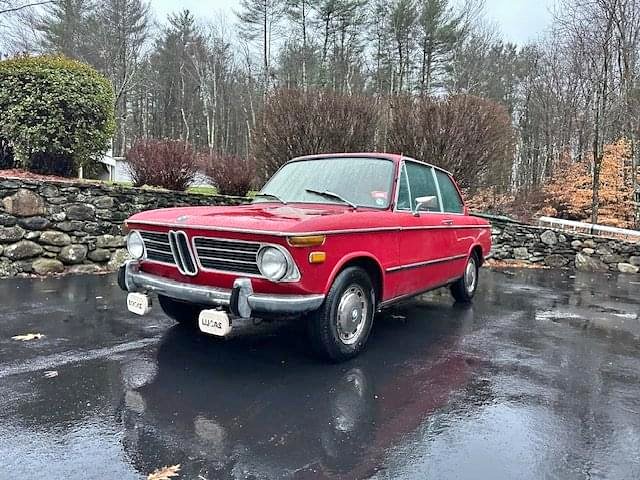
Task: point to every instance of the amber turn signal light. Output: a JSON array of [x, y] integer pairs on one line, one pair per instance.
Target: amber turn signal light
[[317, 257], [307, 241]]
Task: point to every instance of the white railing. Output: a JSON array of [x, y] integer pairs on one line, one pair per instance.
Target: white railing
[[589, 228]]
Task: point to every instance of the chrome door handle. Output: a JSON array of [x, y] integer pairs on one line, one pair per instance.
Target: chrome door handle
[[447, 222]]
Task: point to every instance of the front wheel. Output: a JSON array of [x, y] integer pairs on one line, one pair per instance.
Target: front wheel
[[465, 288], [339, 329]]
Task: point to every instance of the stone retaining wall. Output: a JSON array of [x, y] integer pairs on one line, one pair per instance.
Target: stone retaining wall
[[555, 248], [55, 227]]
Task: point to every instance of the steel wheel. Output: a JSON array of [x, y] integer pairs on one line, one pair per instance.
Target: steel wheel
[[465, 288], [471, 276], [339, 329], [351, 314]]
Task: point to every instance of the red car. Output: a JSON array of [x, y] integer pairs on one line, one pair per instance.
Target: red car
[[330, 238]]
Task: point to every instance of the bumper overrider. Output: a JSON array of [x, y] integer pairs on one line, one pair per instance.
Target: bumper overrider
[[241, 300]]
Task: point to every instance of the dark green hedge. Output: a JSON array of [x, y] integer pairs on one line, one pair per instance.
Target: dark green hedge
[[57, 113]]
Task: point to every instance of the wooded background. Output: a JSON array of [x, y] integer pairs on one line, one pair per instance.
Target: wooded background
[[213, 81]]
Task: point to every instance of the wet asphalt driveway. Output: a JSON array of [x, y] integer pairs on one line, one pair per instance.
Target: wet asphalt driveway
[[540, 379]]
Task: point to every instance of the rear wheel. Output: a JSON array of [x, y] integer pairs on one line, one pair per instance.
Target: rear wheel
[[182, 312], [465, 288], [339, 329]]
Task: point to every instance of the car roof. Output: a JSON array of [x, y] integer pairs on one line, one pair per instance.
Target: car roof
[[394, 157]]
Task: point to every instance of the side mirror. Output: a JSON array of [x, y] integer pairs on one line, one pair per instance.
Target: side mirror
[[426, 203]]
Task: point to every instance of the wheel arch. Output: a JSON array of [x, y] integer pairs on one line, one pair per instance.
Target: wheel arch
[[368, 263], [478, 252]]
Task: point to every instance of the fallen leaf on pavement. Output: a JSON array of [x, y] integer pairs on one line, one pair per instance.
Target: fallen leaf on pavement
[[165, 473], [51, 374], [28, 336]]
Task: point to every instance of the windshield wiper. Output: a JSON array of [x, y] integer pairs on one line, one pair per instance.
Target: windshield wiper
[[335, 196], [271, 195]]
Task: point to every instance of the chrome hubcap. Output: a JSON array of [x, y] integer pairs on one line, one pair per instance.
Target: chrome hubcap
[[471, 276], [352, 314]]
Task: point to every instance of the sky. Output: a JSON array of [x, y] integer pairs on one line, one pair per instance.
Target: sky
[[519, 20]]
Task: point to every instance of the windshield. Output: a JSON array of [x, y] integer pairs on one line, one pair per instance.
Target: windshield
[[364, 182]]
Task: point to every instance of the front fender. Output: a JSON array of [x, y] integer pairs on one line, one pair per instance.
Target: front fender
[[351, 258]]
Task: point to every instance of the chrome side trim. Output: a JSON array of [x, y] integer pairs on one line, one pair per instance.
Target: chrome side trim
[[137, 281], [424, 264], [297, 234]]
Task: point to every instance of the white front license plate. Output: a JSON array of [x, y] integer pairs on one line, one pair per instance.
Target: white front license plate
[[139, 303], [214, 322]]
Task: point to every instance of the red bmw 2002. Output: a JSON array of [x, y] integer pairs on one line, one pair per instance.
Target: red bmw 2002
[[330, 238]]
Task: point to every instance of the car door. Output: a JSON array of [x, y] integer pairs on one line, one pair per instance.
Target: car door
[[423, 241], [460, 236]]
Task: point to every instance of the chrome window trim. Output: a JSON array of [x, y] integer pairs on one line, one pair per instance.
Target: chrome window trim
[[403, 173], [312, 158], [403, 167], [435, 181]]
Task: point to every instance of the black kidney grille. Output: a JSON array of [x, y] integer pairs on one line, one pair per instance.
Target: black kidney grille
[[179, 244]]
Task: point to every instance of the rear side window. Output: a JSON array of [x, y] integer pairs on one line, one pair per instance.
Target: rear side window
[[451, 200]]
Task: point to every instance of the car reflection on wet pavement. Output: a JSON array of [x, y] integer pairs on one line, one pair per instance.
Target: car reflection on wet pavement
[[538, 379]]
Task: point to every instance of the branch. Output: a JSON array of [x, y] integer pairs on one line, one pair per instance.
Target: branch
[[26, 5]]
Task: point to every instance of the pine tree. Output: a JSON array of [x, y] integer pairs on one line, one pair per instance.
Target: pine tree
[[440, 30], [119, 31], [259, 23], [65, 28]]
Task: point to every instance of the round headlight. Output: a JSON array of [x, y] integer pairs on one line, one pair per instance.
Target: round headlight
[[272, 263], [135, 245]]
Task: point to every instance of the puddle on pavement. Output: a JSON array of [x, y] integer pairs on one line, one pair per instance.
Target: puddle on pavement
[[510, 387]]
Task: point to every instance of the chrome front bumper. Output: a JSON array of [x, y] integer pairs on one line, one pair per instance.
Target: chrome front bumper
[[241, 300]]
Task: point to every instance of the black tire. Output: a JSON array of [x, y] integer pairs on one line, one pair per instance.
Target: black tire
[[182, 312], [352, 291], [465, 287]]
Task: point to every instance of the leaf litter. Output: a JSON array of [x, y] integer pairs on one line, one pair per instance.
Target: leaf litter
[[165, 473], [27, 337]]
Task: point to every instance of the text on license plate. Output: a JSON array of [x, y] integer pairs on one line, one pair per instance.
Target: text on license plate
[[214, 322], [139, 303]]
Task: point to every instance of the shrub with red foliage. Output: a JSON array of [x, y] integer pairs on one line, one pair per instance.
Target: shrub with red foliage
[[170, 164], [231, 174]]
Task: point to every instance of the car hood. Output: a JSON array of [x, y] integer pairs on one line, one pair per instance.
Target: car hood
[[262, 217]]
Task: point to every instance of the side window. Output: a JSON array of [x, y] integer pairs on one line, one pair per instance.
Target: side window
[[451, 200], [404, 196], [422, 184]]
